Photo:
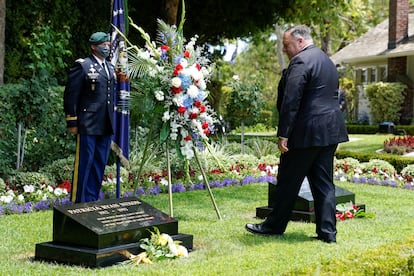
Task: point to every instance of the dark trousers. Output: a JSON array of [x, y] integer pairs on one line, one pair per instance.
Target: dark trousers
[[316, 164], [92, 154]]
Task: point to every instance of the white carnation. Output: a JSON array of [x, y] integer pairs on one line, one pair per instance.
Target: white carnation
[[176, 82], [159, 95], [192, 91], [165, 116], [183, 62]]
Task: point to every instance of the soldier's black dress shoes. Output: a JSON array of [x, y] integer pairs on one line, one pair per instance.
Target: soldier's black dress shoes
[[260, 229]]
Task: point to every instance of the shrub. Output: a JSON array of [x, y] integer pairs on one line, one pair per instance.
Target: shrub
[[261, 147], [408, 173], [61, 169], [385, 100], [346, 165], [378, 168], [2, 184], [20, 179]]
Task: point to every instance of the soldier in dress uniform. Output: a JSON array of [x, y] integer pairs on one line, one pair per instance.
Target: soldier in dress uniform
[[89, 107]]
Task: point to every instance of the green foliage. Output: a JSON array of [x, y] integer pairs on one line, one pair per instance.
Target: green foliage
[[47, 49], [261, 147], [398, 162], [43, 116], [361, 129], [336, 22], [37, 35], [2, 184], [60, 170], [245, 103], [257, 128], [385, 100], [20, 179]]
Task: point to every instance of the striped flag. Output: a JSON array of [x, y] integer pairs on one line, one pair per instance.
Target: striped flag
[[119, 58]]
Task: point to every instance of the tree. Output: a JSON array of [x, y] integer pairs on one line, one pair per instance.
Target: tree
[[244, 105], [2, 37], [336, 23]]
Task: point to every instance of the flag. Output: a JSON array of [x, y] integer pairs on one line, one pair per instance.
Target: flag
[[119, 58], [234, 55]]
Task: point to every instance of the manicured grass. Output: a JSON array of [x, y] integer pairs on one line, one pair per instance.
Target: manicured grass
[[365, 143], [225, 248]]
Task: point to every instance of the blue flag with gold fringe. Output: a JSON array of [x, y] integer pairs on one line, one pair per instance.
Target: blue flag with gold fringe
[[119, 58]]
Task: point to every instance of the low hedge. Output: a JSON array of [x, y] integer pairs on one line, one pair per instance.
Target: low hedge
[[399, 162], [390, 259], [372, 129]]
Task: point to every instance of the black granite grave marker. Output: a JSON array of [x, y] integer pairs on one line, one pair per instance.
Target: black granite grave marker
[[304, 204], [98, 233]]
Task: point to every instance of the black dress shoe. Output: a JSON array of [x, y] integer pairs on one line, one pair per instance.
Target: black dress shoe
[[319, 238], [260, 229]]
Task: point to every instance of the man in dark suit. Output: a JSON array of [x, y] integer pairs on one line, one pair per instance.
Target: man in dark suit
[[310, 127], [89, 107]]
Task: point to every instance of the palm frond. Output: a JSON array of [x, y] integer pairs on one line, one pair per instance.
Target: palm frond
[[139, 66]]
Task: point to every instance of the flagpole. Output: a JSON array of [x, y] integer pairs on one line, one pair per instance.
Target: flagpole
[[118, 177]]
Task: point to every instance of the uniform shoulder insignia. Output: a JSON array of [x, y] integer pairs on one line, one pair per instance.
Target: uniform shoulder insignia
[[80, 60]]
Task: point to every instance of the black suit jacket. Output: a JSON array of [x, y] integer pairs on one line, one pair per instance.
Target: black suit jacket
[[309, 112], [89, 97]]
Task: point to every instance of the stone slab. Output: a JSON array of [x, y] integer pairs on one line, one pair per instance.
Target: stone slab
[[304, 204], [96, 234], [108, 222]]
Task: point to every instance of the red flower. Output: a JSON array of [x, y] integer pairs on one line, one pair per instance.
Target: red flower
[[165, 47], [204, 125], [202, 108], [182, 109], [349, 214], [206, 131], [187, 54], [178, 69], [187, 138], [193, 115], [197, 103], [64, 185], [340, 216], [177, 90], [198, 66]]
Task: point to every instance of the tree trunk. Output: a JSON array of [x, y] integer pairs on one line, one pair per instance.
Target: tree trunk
[[279, 47], [326, 39], [2, 38], [170, 11]]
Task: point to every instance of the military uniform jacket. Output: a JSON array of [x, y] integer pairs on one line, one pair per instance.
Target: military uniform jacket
[[309, 111], [89, 97]]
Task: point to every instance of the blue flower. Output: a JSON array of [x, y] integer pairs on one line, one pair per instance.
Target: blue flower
[[28, 207], [187, 102], [185, 81], [155, 190], [42, 205], [13, 208], [178, 188]]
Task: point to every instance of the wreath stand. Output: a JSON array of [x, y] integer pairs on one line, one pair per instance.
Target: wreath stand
[[170, 199]]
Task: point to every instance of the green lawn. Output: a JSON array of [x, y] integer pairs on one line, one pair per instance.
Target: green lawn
[[365, 143], [225, 248]]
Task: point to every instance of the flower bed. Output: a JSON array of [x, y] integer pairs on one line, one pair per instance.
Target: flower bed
[[32, 198]]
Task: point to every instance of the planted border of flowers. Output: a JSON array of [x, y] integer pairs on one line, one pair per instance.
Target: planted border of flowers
[[34, 198]]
